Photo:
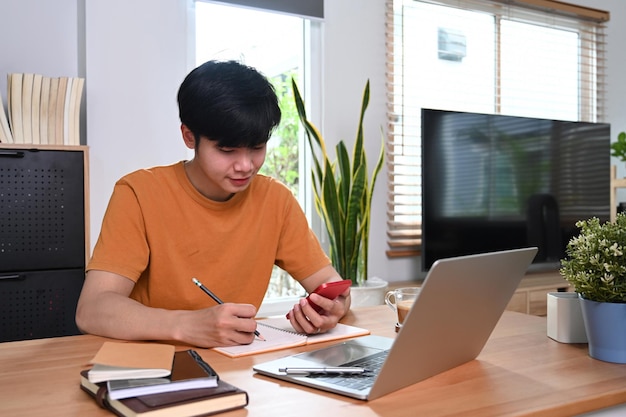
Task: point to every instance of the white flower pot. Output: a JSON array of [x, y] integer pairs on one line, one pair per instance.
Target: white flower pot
[[370, 293], [565, 318]]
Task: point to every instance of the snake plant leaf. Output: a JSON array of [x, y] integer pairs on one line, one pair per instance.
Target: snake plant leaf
[[343, 163], [359, 151], [368, 203], [343, 193], [311, 132], [354, 217], [331, 204]]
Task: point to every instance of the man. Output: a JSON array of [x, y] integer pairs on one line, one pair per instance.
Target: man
[[211, 218]]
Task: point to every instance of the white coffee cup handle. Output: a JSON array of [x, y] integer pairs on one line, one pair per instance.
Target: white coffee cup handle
[[391, 304]]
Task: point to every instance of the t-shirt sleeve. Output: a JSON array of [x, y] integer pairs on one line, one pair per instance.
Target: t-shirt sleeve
[[122, 247], [299, 251]]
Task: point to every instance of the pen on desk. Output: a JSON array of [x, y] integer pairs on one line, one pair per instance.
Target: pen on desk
[[323, 370], [218, 301]]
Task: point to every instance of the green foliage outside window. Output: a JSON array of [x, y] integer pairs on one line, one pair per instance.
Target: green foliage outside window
[[281, 161]]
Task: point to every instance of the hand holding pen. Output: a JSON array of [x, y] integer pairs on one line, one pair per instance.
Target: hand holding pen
[[219, 301]]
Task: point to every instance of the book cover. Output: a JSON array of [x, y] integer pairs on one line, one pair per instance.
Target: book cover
[[188, 372], [279, 334], [185, 403], [120, 360]]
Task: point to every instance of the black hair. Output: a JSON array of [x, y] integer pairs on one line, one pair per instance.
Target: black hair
[[230, 103]]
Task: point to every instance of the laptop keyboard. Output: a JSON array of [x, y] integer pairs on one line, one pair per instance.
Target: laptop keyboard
[[372, 363]]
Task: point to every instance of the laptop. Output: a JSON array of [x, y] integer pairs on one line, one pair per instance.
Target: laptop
[[459, 305]]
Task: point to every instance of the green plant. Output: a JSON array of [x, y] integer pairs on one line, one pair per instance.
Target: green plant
[[343, 194], [281, 161], [596, 264], [618, 147]]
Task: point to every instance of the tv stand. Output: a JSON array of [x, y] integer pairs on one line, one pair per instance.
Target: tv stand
[[531, 295]]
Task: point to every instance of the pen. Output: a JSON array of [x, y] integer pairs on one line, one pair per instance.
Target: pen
[[324, 370], [218, 301]]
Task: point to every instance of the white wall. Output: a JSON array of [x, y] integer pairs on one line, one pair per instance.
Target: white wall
[[136, 58], [52, 49], [354, 51], [136, 55]]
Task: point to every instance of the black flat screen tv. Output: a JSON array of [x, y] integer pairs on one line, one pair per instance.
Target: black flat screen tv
[[494, 182]]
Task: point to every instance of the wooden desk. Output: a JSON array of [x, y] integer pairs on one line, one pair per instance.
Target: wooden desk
[[521, 372]]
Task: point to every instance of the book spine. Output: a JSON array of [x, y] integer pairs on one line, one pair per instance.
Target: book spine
[[27, 107], [205, 366], [43, 110], [15, 106], [35, 113], [59, 123], [52, 110]]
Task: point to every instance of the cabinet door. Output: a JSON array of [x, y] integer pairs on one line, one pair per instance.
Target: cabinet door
[[38, 304], [42, 209]]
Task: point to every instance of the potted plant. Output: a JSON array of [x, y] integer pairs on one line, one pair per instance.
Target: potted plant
[[596, 267], [343, 192]]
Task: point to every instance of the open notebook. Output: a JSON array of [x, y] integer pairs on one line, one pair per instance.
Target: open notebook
[[280, 335]]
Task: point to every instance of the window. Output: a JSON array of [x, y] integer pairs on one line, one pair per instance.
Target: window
[[275, 44], [522, 58]]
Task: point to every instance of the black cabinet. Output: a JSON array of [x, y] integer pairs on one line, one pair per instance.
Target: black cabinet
[[43, 244]]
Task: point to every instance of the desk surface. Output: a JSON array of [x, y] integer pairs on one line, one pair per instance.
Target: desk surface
[[520, 372]]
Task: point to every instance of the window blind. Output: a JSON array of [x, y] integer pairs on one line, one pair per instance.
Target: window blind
[[310, 9], [532, 58]]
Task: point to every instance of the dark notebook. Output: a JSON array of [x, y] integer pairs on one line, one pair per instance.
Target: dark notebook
[[188, 371], [181, 403]]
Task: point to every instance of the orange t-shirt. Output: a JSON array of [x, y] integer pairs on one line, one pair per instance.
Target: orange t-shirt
[[160, 232]]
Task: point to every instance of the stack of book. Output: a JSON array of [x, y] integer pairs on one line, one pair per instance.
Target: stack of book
[[145, 379], [41, 110]]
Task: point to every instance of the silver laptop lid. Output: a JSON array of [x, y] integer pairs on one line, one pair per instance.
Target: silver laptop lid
[[459, 305]]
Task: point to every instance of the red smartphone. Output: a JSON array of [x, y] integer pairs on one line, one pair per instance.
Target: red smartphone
[[330, 290]]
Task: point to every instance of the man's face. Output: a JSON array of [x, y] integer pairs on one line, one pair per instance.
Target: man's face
[[219, 172]]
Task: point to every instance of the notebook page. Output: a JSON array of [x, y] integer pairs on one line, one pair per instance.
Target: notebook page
[[275, 339], [341, 331]]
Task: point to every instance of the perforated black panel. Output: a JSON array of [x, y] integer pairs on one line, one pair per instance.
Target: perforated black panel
[[38, 304], [42, 222]]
